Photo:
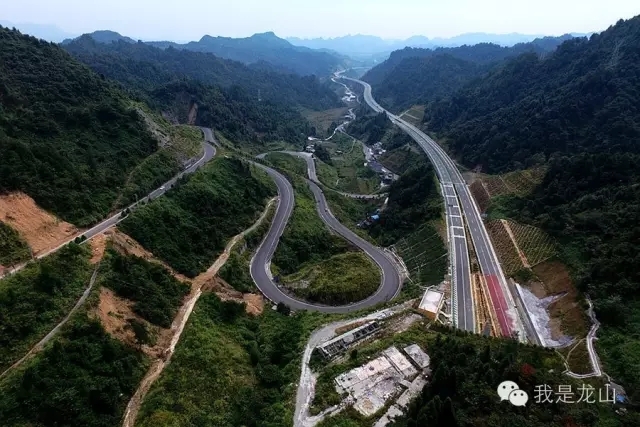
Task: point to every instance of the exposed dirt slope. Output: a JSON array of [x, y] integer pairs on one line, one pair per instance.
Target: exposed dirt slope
[[41, 230]]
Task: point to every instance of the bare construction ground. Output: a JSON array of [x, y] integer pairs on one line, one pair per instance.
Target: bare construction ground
[[41, 230], [566, 311]]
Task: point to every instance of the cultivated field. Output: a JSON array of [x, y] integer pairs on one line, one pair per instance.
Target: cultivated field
[[414, 115], [424, 254], [506, 251], [518, 183], [321, 120], [536, 245]]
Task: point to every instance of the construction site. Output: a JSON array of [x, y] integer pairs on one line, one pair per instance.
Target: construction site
[[371, 386]]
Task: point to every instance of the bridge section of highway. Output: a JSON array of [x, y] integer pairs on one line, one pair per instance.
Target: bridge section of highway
[[460, 206]]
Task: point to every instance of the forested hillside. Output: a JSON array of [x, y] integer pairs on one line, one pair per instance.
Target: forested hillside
[[245, 103], [578, 112], [265, 47], [67, 136], [418, 76]]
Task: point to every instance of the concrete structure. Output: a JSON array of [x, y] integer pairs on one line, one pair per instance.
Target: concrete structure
[[431, 302], [372, 385], [419, 357], [342, 342], [400, 362]]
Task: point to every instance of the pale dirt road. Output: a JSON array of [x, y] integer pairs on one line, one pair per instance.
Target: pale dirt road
[[180, 321]]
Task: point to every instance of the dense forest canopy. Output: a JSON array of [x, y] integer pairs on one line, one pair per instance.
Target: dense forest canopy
[[265, 48], [246, 104], [144, 66], [418, 76], [67, 137], [577, 111]]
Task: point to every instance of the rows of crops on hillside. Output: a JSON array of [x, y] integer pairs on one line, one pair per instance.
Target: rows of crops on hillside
[[424, 254], [535, 243], [504, 247]]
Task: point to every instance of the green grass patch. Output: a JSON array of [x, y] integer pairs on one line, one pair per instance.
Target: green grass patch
[[288, 163], [578, 359], [323, 120], [401, 159], [156, 293], [13, 248], [236, 270], [306, 239], [35, 299], [84, 378], [341, 279], [185, 142], [348, 172], [350, 211], [191, 224]]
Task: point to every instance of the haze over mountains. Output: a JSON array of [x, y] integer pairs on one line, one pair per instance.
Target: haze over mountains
[[359, 44]]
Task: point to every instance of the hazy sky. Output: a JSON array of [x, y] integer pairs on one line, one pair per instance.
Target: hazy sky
[[190, 19]]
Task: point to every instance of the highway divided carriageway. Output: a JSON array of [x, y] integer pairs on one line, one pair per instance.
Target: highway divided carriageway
[[460, 207], [260, 266]]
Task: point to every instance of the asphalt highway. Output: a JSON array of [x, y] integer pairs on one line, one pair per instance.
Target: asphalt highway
[[261, 261], [456, 199], [209, 151], [208, 154]]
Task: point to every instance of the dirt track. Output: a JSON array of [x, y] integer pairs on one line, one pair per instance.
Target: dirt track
[[179, 322]]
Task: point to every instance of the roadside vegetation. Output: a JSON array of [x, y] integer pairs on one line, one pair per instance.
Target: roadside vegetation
[[341, 279], [191, 224], [180, 145], [425, 255], [350, 211], [413, 200], [465, 365], [306, 239], [236, 271], [227, 360], [343, 168], [64, 121], [13, 248], [83, 378], [156, 294], [37, 298]]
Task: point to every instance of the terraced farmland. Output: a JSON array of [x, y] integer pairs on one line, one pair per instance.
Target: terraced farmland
[[519, 183], [506, 251], [536, 245], [424, 254], [414, 115]]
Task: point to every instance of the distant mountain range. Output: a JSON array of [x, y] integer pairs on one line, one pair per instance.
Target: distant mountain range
[[49, 33], [267, 51], [364, 46], [264, 51]]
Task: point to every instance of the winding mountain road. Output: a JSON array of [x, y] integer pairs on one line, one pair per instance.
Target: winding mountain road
[[209, 151], [260, 267]]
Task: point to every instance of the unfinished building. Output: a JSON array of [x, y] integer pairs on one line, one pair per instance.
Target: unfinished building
[[372, 385], [419, 357], [431, 303], [342, 342]]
